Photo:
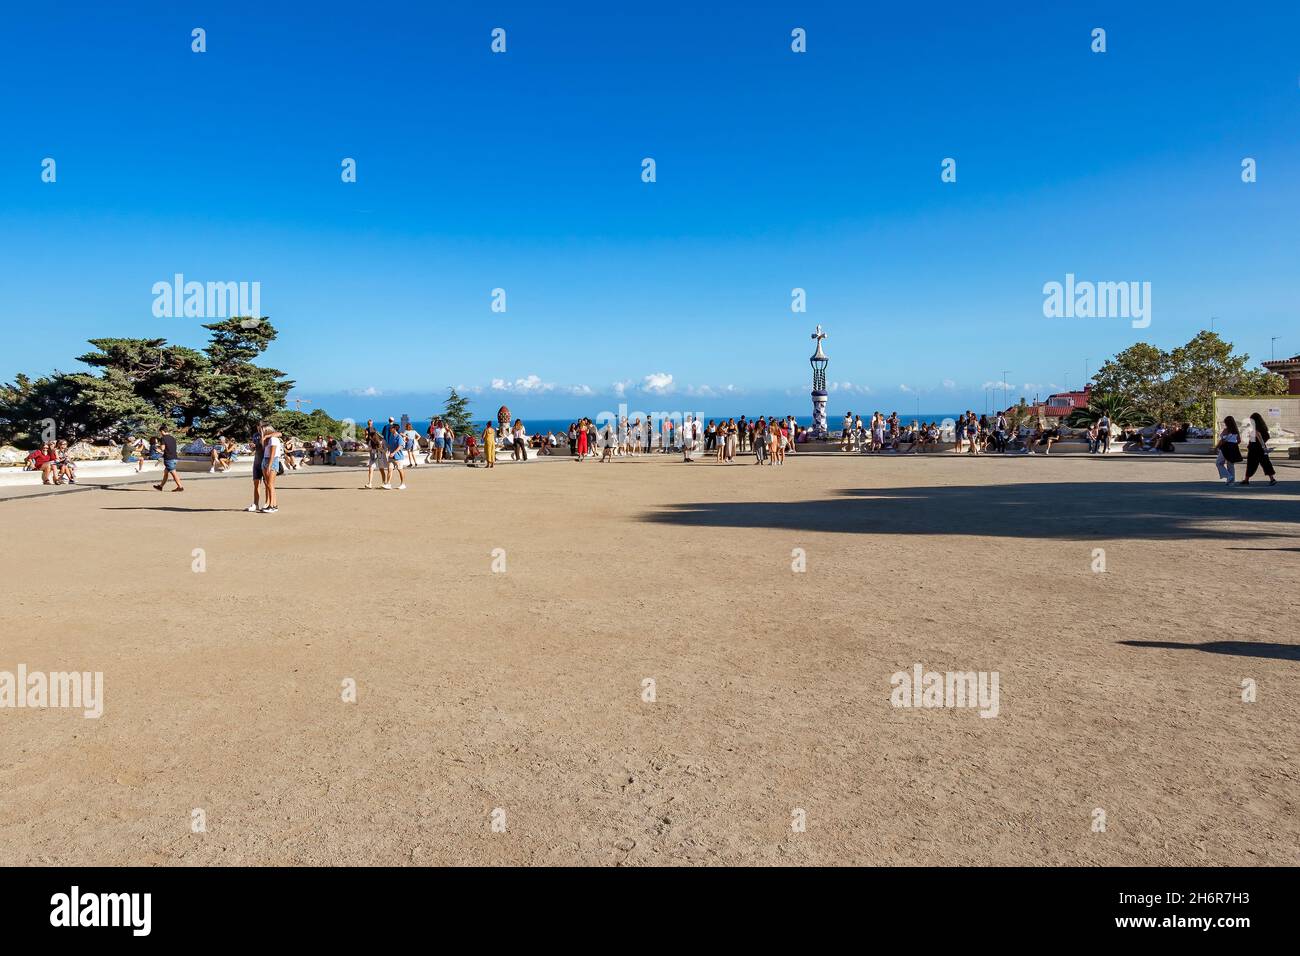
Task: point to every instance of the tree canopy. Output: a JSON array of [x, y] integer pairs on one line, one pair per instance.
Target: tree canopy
[[1180, 384], [456, 412], [139, 384]]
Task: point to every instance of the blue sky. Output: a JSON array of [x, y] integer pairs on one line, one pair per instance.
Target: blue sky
[[775, 170]]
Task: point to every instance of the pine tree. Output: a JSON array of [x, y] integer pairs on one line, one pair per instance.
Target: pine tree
[[456, 413]]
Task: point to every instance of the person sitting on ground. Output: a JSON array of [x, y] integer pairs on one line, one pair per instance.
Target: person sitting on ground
[[42, 459], [222, 455], [66, 468], [1160, 436], [1167, 437]]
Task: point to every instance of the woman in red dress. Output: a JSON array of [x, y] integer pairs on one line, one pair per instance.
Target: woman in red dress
[[582, 440]]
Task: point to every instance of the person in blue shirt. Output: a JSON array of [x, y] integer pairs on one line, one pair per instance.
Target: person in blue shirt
[[396, 455]]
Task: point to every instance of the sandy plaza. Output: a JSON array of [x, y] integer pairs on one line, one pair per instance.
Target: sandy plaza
[[499, 628], [601, 470]]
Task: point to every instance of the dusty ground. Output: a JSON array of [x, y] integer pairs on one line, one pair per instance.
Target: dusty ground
[[523, 690]]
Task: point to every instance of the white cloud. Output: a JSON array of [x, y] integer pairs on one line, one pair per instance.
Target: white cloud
[[998, 385], [949, 384], [620, 388], [710, 391], [848, 387], [530, 384], [658, 382], [905, 389], [368, 392], [534, 385]]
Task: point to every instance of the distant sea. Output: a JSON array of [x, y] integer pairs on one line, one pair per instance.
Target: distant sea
[[536, 426]]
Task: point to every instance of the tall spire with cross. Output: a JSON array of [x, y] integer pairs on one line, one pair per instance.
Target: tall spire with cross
[[819, 361]]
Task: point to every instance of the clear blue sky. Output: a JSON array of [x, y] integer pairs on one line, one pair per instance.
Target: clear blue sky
[[775, 170]]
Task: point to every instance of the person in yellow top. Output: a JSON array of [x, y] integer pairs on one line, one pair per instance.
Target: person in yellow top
[[490, 445]]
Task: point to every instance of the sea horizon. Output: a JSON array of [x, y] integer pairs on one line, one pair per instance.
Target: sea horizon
[[536, 425]]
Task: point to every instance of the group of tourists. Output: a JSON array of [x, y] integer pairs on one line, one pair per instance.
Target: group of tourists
[[1229, 451], [393, 448], [51, 459], [768, 438]]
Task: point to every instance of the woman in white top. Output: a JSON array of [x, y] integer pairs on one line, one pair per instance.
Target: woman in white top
[[272, 448], [520, 441], [1229, 449], [439, 439]]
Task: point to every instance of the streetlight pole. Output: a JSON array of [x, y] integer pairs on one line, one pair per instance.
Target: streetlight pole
[[1271, 344], [1006, 390]]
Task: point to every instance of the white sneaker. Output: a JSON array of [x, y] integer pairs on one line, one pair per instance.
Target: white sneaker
[[269, 511], [212, 470], [386, 487], [402, 487], [253, 508]]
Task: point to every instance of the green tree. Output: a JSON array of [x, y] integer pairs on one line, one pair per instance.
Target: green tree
[[136, 385], [28, 405], [1139, 376], [1206, 367], [455, 412], [1180, 385], [239, 393], [1115, 407], [307, 426]]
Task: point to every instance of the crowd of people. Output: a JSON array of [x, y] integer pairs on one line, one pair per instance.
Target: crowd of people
[[392, 448]]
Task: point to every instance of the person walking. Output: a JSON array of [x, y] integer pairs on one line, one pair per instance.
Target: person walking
[[395, 443], [167, 442], [1229, 448], [1103, 434], [377, 458], [1257, 451]]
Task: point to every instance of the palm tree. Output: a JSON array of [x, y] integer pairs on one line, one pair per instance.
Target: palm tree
[[1114, 407]]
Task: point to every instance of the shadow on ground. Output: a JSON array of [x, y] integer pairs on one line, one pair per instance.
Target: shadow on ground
[[1069, 510], [1280, 652]]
